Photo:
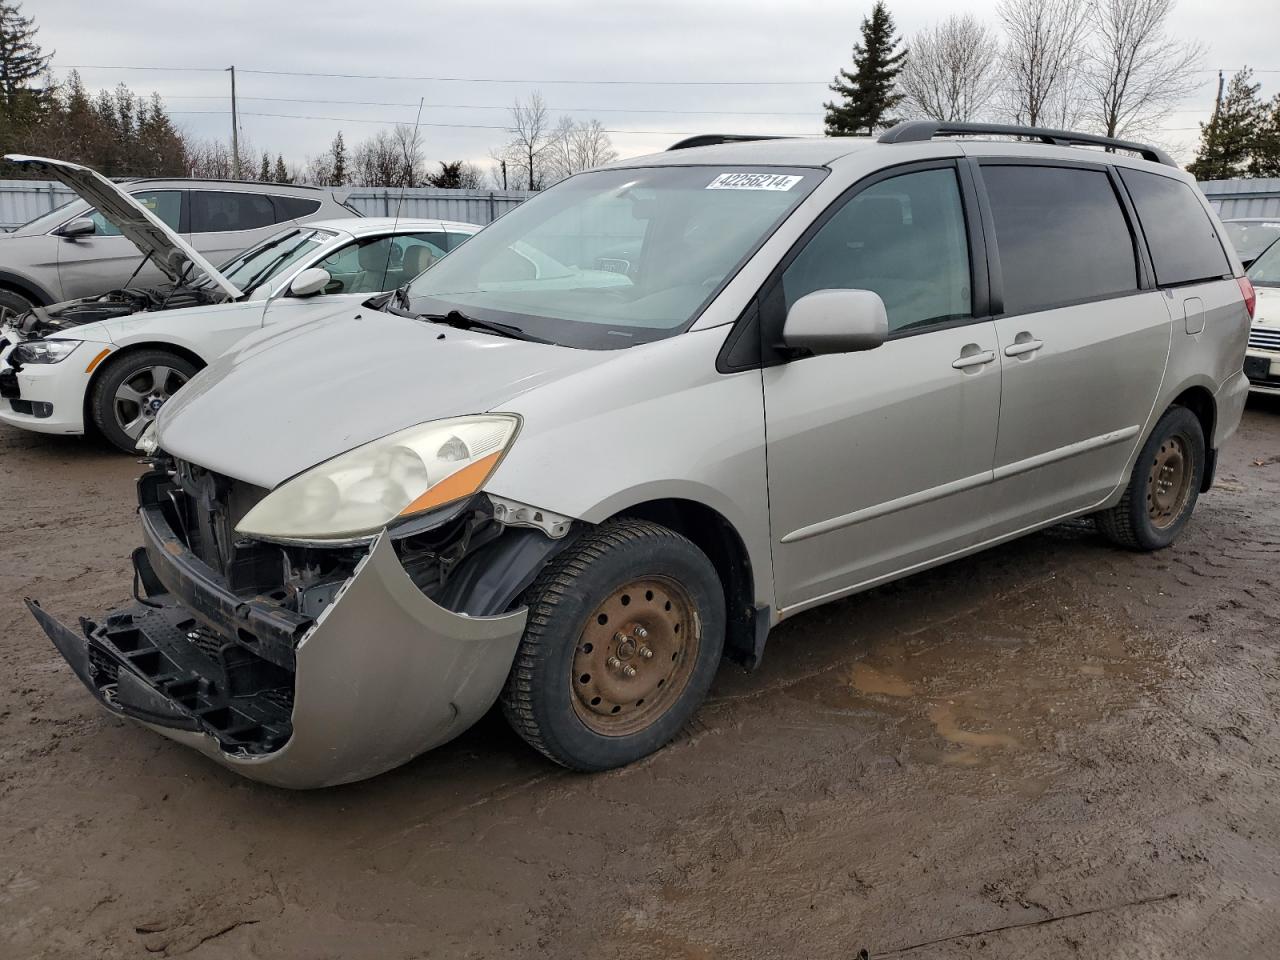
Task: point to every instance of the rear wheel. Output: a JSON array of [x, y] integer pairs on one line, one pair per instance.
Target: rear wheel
[[1163, 488], [129, 393], [624, 635]]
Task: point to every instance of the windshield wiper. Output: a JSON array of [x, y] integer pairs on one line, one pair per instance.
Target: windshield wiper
[[458, 319]]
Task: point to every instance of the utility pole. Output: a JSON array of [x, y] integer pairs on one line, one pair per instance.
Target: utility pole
[[1217, 103], [235, 128], [504, 174]]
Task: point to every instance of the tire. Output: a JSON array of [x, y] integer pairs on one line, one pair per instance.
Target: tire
[[1163, 488], [15, 302], [124, 401], [626, 587]]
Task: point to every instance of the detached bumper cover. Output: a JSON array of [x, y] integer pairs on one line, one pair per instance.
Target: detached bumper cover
[[381, 675]]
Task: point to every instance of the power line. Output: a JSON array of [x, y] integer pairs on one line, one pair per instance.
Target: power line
[[477, 106], [460, 126], [389, 76]]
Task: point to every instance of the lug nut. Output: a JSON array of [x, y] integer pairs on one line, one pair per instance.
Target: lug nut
[[628, 670], [646, 652], [641, 633], [614, 663]]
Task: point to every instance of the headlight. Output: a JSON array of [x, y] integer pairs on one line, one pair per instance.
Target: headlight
[[43, 351], [359, 492], [147, 442]]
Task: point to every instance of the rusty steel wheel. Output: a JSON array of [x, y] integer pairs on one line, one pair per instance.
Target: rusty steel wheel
[[625, 630], [1163, 485], [635, 656], [1169, 483]]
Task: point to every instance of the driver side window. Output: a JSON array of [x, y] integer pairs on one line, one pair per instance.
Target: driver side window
[[165, 204], [903, 238]]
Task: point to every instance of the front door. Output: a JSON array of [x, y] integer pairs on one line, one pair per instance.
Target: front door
[[104, 260], [880, 461], [1083, 339]]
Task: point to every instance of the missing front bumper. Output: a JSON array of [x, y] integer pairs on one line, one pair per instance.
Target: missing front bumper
[[381, 675]]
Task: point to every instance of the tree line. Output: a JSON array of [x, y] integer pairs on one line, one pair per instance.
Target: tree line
[[1107, 66]]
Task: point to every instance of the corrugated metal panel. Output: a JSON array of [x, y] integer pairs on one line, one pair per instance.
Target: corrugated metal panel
[[23, 200], [1234, 199]]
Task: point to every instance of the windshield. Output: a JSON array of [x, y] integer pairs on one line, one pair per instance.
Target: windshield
[[1250, 238], [1265, 271], [257, 265], [615, 257]]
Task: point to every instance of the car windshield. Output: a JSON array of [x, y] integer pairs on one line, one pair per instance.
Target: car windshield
[[1251, 237], [1265, 271], [615, 257], [258, 265]]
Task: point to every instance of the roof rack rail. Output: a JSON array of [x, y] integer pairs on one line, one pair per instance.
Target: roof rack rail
[[711, 139], [917, 131]]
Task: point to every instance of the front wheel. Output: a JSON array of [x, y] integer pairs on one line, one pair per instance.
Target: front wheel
[[129, 393], [624, 635], [1163, 487]]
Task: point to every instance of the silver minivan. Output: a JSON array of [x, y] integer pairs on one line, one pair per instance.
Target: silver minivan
[[649, 414]]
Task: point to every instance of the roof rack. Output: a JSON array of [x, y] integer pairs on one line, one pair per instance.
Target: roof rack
[[918, 131], [711, 139]]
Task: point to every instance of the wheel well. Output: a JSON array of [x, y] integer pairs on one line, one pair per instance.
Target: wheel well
[[1200, 402], [716, 537], [34, 294], [189, 355]]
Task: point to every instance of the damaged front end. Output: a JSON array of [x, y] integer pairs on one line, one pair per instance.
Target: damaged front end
[[306, 666]]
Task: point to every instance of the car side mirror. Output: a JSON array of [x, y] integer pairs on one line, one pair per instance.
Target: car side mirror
[[309, 282], [80, 227], [836, 321]]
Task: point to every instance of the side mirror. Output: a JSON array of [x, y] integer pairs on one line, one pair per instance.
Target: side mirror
[[836, 321], [80, 227], [309, 282]]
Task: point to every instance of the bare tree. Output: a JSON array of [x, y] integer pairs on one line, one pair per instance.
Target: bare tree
[[1044, 59], [377, 161], [1136, 72], [409, 141], [951, 73], [532, 139]]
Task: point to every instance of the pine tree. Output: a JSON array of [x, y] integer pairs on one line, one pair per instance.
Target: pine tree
[[281, 172], [1265, 161], [868, 93], [338, 162], [21, 59], [264, 171], [1227, 140]]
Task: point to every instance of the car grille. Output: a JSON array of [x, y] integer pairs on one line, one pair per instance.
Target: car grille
[[1265, 338]]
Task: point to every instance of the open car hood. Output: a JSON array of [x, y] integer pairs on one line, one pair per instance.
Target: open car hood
[[168, 251]]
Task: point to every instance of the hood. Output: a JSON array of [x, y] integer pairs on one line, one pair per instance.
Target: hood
[[168, 251], [283, 401]]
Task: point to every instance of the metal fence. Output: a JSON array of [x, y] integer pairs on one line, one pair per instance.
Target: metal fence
[[1244, 198], [23, 200]]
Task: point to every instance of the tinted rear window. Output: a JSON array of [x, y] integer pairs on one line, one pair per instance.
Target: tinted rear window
[[215, 211], [1062, 236], [294, 208], [1184, 245]]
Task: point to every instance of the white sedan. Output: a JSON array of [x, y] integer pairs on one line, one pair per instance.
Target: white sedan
[[92, 362]]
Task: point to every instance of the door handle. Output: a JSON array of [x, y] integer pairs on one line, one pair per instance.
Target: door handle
[[1021, 347], [974, 360]]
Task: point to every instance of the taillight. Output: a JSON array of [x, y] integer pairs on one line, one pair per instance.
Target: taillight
[[1250, 295]]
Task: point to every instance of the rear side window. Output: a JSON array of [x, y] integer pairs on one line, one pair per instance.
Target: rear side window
[[165, 204], [216, 211], [294, 208], [1184, 244], [1061, 234]]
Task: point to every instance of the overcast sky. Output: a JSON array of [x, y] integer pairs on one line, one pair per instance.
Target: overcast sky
[[520, 47]]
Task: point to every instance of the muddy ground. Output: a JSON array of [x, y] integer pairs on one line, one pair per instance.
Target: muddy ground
[[1056, 749]]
